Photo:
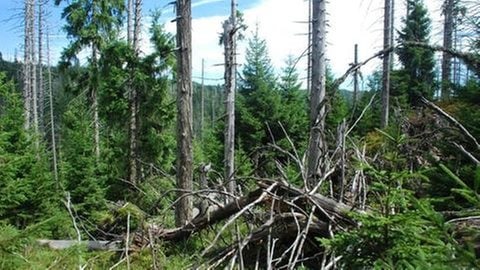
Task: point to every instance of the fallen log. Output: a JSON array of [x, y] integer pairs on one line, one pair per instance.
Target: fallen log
[[284, 228], [328, 210], [91, 245], [203, 221]]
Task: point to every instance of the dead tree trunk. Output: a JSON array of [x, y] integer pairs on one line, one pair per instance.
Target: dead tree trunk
[[41, 91], [94, 83], [316, 146], [52, 119], [387, 21], [229, 29], [94, 89], [183, 209], [129, 20], [309, 54], [355, 79], [447, 44], [202, 102], [27, 64], [33, 70], [133, 131]]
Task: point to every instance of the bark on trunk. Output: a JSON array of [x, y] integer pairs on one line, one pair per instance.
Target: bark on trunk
[[33, 70], [41, 91], [202, 102], [183, 209], [94, 89], [230, 84], [27, 64], [133, 130], [387, 21], [129, 21], [52, 119], [447, 44], [316, 146]]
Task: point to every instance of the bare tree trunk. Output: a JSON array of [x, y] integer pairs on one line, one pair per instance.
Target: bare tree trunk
[[316, 145], [387, 20], [33, 70], [447, 44], [129, 20], [27, 65], [41, 91], [183, 209], [309, 55], [133, 159], [355, 78], [52, 119], [94, 89], [202, 101], [229, 28]]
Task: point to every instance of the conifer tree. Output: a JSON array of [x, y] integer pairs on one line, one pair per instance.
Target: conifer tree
[[27, 188], [91, 24], [258, 103], [418, 63], [294, 115], [79, 170]]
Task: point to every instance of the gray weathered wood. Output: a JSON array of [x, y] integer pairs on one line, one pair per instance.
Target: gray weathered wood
[[229, 29], [316, 145], [52, 118], [91, 245], [134, 41], [183, 209], [447, 44], [387, 21]]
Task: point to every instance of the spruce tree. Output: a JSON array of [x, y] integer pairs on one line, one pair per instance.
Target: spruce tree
[[294, 116], [27, 188], [258, 104], [155, 110], [79, 171], [91, 24], [258, 71], [418, 63]]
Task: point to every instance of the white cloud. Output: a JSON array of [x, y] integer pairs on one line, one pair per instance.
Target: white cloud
[[282, 25], [204, 2]]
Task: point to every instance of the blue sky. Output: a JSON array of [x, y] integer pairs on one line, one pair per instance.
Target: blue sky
[[11, 20], [350, 22]]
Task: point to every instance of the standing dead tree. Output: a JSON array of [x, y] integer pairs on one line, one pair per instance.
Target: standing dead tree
[[134, 40], [41, 88], [448, 6], [183, 210], [229, 40], [316, 144], [29, 71], [386, 63], [51, 110]]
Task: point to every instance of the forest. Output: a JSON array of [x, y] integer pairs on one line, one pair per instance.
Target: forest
[[123, 161]]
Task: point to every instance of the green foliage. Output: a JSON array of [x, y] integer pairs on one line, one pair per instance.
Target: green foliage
[[27, 188], [258, 72], [337, 108], [371, 118], [122, 70], [90, 23], [401, 231], [469, 193], [418, 63], [266, 112], [80, 172], [294, 116], [416, 238]]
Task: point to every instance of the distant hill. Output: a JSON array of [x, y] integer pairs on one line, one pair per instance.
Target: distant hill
[[13, 70]]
